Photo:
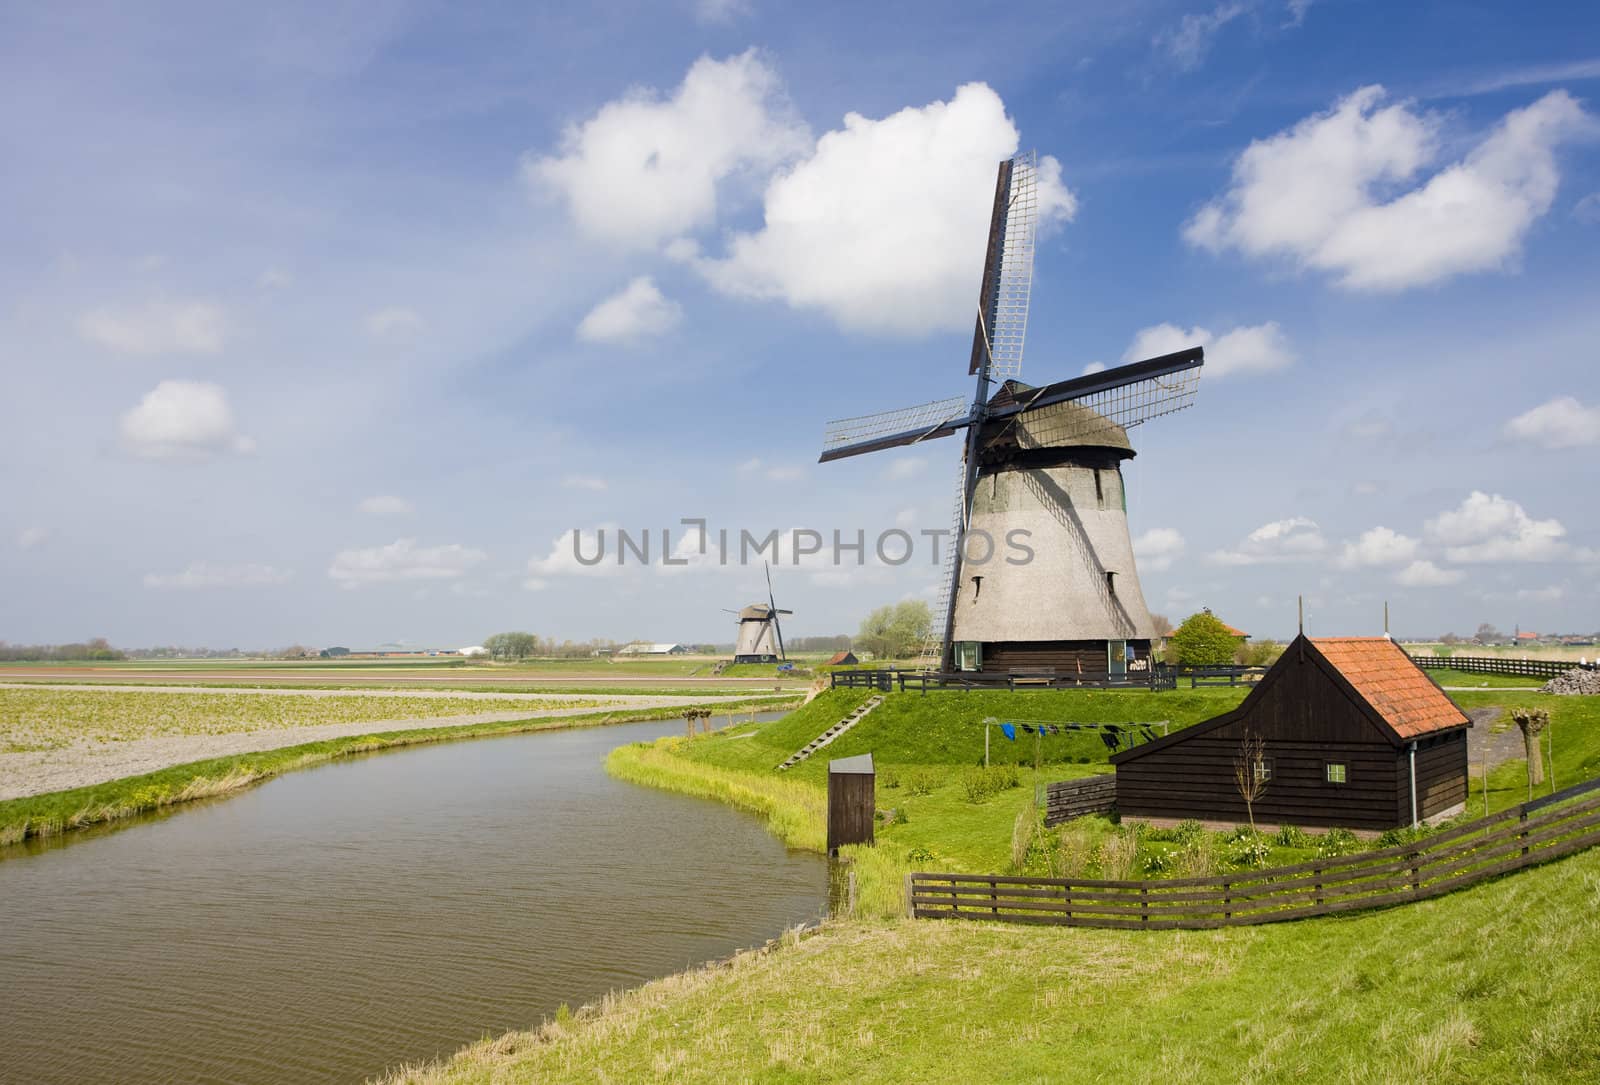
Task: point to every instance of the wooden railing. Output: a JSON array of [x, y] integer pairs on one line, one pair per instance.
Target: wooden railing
[[1226, 675], [1156, 678], [1517, 668], [879, 680], [1525, 835], [1068, 799]]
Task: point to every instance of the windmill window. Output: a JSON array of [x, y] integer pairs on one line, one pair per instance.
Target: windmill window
[[1111, 582], [1099, 489], [969, 655]]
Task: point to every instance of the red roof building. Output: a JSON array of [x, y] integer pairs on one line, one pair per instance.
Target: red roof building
[[1356, 735]]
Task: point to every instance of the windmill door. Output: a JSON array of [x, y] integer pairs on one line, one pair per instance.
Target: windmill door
[[1117, 658]]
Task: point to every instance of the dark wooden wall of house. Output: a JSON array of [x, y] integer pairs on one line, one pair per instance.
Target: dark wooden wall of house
[[1441, 775], [1307, 721], [1087, 657], [851, 808]]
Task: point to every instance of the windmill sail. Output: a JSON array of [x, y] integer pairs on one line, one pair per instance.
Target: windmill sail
[[1002, 322]]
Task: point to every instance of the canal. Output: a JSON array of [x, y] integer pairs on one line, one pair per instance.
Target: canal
[[339, 921]]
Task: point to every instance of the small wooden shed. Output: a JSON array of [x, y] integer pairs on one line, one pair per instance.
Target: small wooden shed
[[843, 659], [852, 805], [1357, 735]]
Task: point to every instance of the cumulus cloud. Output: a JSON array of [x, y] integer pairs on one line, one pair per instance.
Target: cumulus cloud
[[882, 227], [1158, 548], [1189, 40], [638, 311], [1425, 574], [1551, 594], [1257, 348], [1094, 367], [386, 505], [1561, 423], [1321, 193], [401, 560], [204, 574], [157, 327], [182, 421], [645, 169], [1587, 210], [562, 559], [1488, 527], [1297, 538], [393, 322], [1380, 546]]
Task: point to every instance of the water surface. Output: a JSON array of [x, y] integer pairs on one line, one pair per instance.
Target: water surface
[[347, 918]]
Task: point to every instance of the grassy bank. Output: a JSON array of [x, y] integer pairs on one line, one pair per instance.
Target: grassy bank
[[64, 811], [1491, 984]]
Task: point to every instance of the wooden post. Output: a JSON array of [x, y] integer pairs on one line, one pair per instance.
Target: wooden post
[[911, 909], [1316, 885], [850, 895], [1227, 899], [1144, 903], [1522, 830]]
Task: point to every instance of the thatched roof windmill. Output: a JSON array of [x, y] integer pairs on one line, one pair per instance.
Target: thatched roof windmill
[[1042, 459], [760, 634]]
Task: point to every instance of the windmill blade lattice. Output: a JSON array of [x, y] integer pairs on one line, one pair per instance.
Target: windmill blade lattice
[[1127, 406], [1007, 318], [903, 426]]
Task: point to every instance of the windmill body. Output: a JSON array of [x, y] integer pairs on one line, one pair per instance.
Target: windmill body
[[1042, 465], [758, 641]]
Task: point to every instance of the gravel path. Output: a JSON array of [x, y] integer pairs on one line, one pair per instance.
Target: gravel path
[[40, 771]]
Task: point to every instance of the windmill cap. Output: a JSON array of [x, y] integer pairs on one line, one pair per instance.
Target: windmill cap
[[1059, 425]]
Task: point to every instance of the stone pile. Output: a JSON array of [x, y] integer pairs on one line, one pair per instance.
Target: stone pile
[[1574, 682]]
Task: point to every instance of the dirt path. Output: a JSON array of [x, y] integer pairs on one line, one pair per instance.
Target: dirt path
[[1483, 741], [38, 771]]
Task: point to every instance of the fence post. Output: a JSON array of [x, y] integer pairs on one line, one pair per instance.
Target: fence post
[[1227, 901], [911, 909], [1416, 871], [850, 893], [1144, 903], [994, 900], [1316, 885], [1522, 827]]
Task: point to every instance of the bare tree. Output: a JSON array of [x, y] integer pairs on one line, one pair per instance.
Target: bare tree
[[1251, 773], [1532, 721]]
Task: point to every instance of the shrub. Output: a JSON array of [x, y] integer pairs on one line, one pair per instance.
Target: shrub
[[889, 777], [921, 781], [1251, 851], [1158, 862], [1186, 832], [1115, 856], [981, 784], [1337, 842], [1203, 641], [1292, 836], [920, 854], [1407, 835]]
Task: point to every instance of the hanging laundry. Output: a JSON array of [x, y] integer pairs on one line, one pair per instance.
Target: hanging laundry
[[1028, 728], [1009, 731]]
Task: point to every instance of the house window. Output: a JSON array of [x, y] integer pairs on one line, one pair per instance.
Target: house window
[[1336, 772], [1263, 770], [969, 655]]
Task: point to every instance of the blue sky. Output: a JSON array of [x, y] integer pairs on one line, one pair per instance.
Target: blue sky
[[325, 323]]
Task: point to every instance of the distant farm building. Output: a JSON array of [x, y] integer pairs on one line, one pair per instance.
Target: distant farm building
[[642, 649], [843, 659], [477, 651], [1356, 735]]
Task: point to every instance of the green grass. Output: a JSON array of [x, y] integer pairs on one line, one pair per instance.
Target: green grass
[[77, 808], [1572, 741], [1449, 677], [1492, 984]]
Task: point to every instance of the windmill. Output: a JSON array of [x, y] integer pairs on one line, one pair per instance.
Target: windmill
[[760, 634], [1045, 460]]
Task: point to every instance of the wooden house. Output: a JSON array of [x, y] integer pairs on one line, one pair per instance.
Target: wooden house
[[843, 659], [1356, 735]]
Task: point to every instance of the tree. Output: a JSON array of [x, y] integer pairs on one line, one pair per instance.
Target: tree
[[1532, 722], [1203, 641], [1251, 773], [1488, 634], [512, 645], [1163, 626], [893, 631]]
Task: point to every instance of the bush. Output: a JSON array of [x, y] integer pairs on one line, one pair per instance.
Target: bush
[[1336, 842], [982, 784], [920, 854], [889, 777], [921, 781], [1292, 836], [1158, 862], [1187, 832], [1407, 835], [1250, 851], [1203, 641]]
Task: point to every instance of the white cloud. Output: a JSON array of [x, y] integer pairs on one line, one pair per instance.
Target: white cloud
[[274, 279], [1158, 548], [402, 559], [393, 322], [1379, 546], [1257, 348], [562, 560], [157, 327], [904, 467], [182, 420], [882, 227], [638, 311], [1587, 210], [30, 537], [1189, 41], [1488, 527], [1425, 574], [721, 11], [1094, 367], [584, 482], [386, 505], [1561, 423], [645, 169], [1552, 594], [1319, 193], [203, 574], [1297, 538], [1297, 12]]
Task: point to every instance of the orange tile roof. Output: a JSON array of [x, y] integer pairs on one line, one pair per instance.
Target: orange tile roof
[[1392, 684]]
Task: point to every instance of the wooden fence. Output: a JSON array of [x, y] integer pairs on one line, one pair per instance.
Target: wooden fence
[[1518, 668], [1067, 799], [1157, 678], [1532, 833], [879, 680], [1228, 675]]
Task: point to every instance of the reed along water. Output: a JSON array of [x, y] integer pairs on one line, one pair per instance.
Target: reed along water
[[345, 919]]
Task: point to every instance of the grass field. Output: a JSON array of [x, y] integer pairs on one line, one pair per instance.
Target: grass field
[[1448, 677], [53, 719], [1488, 985]]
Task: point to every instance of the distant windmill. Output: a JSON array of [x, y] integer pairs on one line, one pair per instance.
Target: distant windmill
[[760, 634], [1047, 460]]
